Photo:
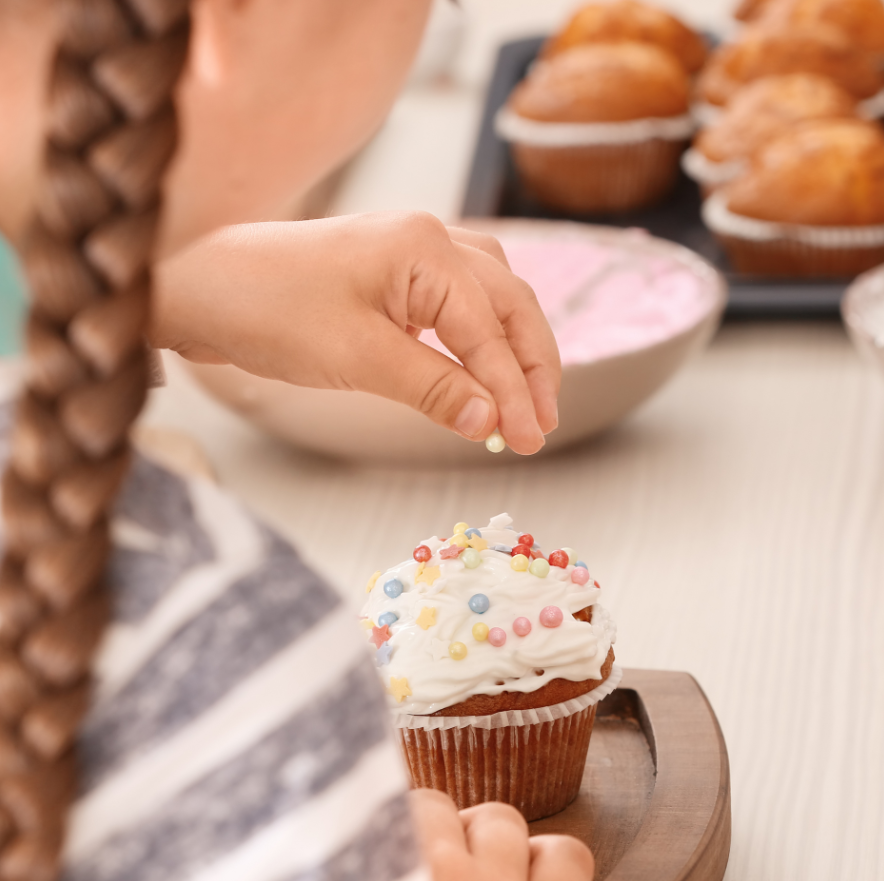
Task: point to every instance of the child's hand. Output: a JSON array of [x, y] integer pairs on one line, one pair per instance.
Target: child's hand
[[337, 304], [490, 843]]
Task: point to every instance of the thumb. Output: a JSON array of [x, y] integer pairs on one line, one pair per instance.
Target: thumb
[[395, 365]]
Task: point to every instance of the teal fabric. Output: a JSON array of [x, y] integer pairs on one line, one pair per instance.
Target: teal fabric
[[12, 302]]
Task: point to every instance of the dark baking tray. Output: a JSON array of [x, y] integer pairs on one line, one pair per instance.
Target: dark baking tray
[[493, 191]]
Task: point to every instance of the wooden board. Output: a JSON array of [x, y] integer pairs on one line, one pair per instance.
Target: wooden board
[[655, 803]]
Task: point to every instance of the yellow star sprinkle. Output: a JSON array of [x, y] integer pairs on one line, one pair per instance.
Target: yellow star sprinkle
[[428, 574], [366, 623], [427, 618], [372, 581], [477, 542], [399, 688]]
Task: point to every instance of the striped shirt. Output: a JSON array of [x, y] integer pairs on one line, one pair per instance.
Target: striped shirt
[[239, 730]]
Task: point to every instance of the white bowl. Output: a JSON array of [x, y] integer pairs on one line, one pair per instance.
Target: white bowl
[[863, 311], [597, 391]]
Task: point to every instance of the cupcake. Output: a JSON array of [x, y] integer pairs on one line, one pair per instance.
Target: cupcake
[[810, 204], [599, 128], [759, 112], [629, 20], [751, 10], [768, 50], [494, 658]]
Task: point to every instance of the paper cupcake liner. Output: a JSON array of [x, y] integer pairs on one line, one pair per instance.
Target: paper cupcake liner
[[708, 174], [760, 247], [536, 766]]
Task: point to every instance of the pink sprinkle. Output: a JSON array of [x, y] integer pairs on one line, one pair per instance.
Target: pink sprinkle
[[579, 575], [551, 616], [521, 626], [496, 636], [450, 553]]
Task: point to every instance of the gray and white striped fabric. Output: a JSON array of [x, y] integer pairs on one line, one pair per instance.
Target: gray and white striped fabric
[[239, 729]]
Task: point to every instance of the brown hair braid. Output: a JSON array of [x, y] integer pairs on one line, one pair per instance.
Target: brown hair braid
[[112, 132]]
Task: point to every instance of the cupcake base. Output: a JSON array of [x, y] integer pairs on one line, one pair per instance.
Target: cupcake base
[[530, 759]]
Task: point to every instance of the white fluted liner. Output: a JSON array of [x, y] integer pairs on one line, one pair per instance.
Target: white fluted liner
[[514, 718], [708, 173], [509, 126]]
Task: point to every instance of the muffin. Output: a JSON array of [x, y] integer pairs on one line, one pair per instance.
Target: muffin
[[494, 659], [599, 128], [751, 10], [861, 21], [631, 21], [768, 50], [759, 112], [810, 204]]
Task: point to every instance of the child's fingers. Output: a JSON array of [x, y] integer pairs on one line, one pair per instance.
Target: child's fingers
[[526, 328], [497, 836], [560, 858], [437, 820], [480, 240]]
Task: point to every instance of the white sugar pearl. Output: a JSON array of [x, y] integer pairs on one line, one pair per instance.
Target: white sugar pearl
[[495, 442]]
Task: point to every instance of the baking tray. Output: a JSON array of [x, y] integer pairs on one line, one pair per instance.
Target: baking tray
[[655, 801], [494, 191]]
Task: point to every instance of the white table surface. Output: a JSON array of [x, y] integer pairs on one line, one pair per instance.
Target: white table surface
[[736, 523]]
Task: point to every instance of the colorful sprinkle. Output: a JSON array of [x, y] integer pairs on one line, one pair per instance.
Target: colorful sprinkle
[[521, 626], [471, 558], [422, 553], [581, 564], [572, 555], [559, 558], [387, 619], [496, 636], [460, 540], [526, 539], [524, 550], [536, 553], [597, 585], [579, 576], [481, 631], [460, 528], [393, 588], [399, 688], [519, 563], [366, 623], [450, 553], [539, 567], [372, 581], [472, 531], [502, 548], [551, 616], [427, 575], [427, 618], [478, 543], [379, 635], [382, 655], [495, 443], [479, 603], [457, 650]]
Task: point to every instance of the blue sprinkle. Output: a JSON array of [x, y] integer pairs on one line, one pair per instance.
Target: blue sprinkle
[[479, 603], [388, 618], [382, 655], [582, 565], [502, 548], [472, 531], [393, 588]]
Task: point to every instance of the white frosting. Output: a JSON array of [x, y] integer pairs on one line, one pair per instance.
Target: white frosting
[[509, 126], [574, 650]]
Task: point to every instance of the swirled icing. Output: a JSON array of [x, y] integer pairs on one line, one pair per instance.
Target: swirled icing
[[575, 650]]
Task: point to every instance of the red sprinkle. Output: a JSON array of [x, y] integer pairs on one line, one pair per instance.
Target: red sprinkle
[[422, 553], [597, 585], [526, 539], [379, 635], [451, 553], [521, 549], [559, 558], [535, 555]]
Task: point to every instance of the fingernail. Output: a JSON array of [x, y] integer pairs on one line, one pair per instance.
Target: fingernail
[[472, 418]]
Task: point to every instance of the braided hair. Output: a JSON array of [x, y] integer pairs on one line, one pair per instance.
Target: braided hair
[[111, 133]]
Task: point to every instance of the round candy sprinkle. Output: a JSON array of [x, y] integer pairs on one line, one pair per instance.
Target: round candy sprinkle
[[472, 531], [479, 603], [521, 626], [387, 619], [481, 631], [539, 567], [572, 555], [495, 442], [581, 564], [471, 558], [457, 650], [460, 540], [519, 563], [460, 528], [393, 588], [422, 553], [551, 616], [526, 539], [579, 576], [496, 636], [559, 558], [524, 550]]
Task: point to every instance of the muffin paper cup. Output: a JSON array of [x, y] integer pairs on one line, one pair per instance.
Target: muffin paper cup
[[708, 174], [762, 247], [531, 759]]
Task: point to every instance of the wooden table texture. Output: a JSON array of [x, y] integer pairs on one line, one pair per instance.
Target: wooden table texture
[[736, 525]]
